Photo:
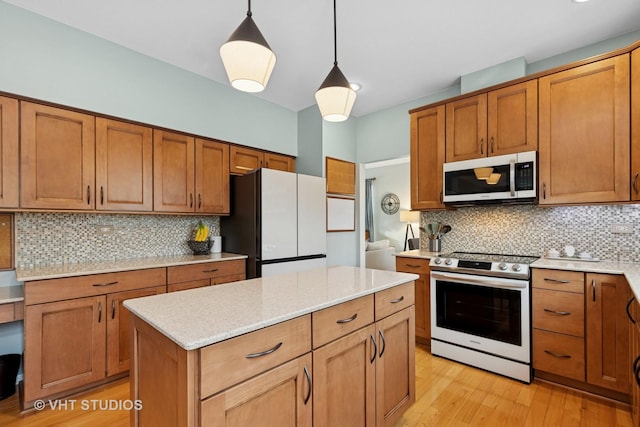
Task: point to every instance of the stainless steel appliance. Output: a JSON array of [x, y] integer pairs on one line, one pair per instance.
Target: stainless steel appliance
[[481, 311], [496, 179], [278, 219]]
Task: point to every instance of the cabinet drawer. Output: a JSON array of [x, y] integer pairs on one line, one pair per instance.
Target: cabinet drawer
[[557, 311], [341, 319], [206, 270], [41, 291], [412, 265], [559, 280], [228, 279], [183, 286], [559, 354], [394, 299], [252, 353], [6, 313]]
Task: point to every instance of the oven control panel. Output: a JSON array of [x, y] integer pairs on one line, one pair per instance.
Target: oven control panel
[[498, 268]]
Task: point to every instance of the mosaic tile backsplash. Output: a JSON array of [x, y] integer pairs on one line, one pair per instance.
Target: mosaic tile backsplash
[[59, 238], [532, 230]]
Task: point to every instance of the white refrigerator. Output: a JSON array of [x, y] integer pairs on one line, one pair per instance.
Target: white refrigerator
[[278, 219]]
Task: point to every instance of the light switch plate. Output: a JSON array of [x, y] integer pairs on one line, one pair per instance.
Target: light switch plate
[[622, 228]]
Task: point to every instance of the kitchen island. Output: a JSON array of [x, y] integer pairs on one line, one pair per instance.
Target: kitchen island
[[315, 347]]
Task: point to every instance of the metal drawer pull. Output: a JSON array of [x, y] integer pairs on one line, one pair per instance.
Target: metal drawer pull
[[350, 319], [635, 182], [306, 374], [375, 348], [561, 356], [88, 195], [210, 271], [264, 353], [106, 284], [413, 266], [113, 309], [99, 312], [556, 280], [634, 365], [384, 343], [628, 312], [635, 374], [559, 313], [593, 289], [395, 301]]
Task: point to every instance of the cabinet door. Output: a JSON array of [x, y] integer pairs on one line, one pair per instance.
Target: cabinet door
[[635, 356], [173, 172], [243, 160], [124, 166], [9, 152], [344, 374], [64, 346], [279, 162], [395, 367], [635, 125], [607, 332], [57, 158], [212, 177], [467, 128], [279, 397], [512, 119], [422, 295], [118, 328], [584, 133], [427, 158]]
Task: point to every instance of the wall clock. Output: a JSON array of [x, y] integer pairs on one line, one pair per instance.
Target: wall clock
[[390, 203]]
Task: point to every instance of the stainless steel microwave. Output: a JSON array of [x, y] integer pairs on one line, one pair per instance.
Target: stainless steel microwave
[[496, 179]]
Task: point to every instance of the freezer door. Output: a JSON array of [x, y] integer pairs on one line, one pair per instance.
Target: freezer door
[[312, 215], [278, 214]]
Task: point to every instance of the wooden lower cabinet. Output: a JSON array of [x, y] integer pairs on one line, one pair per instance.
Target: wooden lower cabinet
[[422, 295], [344, 387], [191, 276], [118, 329], [279, 397], [64, 345], [634, 316]]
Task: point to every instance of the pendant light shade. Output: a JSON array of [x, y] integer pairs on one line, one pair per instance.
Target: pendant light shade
[[247, 57], [335, 97]]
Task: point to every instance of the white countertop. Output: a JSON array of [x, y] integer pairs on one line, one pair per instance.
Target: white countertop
[[198, 317], [418, 253], [81, 269], [9, 294]]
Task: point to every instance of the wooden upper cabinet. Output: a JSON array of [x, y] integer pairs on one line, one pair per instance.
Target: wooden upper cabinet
[[243, 160], [212, 177], [635, 125], [173, 172], [467, 128], [427, 157], [57, 158], [341, 176], [9, 143], [124, 166], [512, 119], [279, 162], [584, 133]]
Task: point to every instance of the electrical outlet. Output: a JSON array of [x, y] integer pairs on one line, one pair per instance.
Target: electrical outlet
[[105, 229], [622, 228]]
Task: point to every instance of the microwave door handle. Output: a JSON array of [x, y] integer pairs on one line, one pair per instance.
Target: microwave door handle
[[512, 177]]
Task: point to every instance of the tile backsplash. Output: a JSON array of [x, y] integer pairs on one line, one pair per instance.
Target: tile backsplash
[[532, 230], [61, 238]]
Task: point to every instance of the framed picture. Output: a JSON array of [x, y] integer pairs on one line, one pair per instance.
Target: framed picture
[[341, 214]]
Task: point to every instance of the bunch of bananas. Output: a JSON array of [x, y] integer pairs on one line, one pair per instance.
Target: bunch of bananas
[[201, 232]]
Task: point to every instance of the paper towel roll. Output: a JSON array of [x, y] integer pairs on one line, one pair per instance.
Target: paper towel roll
[[217, 244]]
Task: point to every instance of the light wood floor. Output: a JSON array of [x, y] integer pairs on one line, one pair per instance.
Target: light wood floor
[[447, 394]]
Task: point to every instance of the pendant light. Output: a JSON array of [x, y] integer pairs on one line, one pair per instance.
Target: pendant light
[[247, 57], [335, 97]]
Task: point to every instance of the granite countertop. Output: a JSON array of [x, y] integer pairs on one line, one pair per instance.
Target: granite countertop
[[198, 317], [9, 294], [81, 269]]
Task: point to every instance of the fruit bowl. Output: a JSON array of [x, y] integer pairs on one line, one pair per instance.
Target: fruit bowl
[[201, 247]]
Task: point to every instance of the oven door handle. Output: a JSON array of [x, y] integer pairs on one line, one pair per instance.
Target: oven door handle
[[480, 282]]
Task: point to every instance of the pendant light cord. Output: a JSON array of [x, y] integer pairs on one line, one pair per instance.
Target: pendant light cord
[[249, 10], [335, 36]]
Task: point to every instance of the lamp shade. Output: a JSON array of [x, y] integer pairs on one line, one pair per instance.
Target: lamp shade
[[247, 58], [409, 216], [335, 97]]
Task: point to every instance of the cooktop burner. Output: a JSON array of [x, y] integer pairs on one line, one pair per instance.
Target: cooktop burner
[[500, 265]]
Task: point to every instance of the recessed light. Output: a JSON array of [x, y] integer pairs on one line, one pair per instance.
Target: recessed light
[[579, 1], [355, 86]]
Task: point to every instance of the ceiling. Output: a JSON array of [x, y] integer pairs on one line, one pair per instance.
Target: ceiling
[[397, 50]]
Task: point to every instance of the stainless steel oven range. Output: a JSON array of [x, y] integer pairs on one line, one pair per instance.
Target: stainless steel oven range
[[481, 311]]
